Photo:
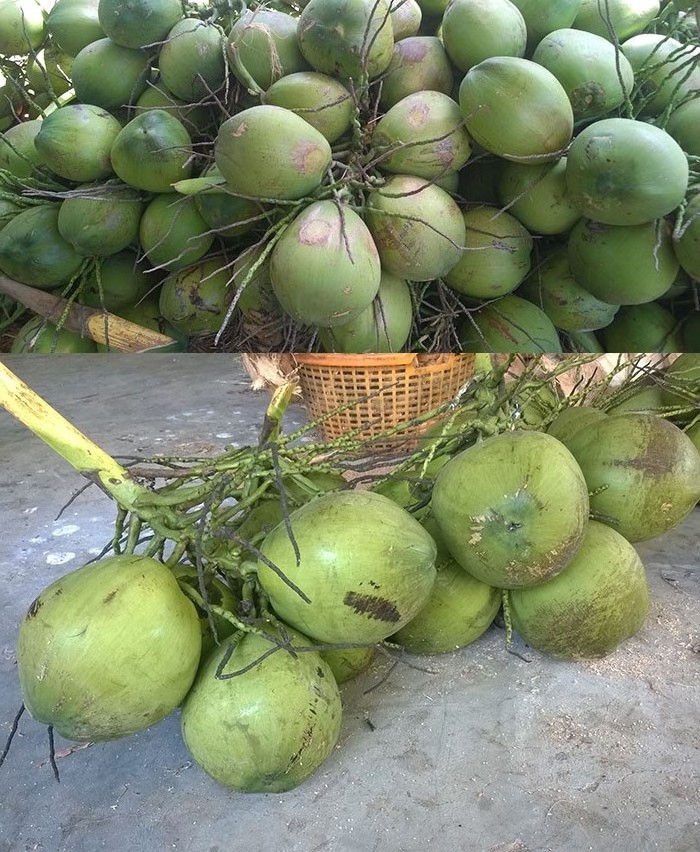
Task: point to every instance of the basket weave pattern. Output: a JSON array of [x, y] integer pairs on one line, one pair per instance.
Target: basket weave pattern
[[378, 392]]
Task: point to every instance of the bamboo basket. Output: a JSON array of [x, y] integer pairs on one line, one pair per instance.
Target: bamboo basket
[[376, 392]]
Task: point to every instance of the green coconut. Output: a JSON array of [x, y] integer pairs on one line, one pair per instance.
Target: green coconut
[[596, 76], [33, 251], [686, 242], [418, 228], [73, 24], [109, 75], [543, 18], [100, 220], [152, 151], [496, 255], [459, 610], [347, 663], [138, 23], [642, 471], [351, 594], [667, 71], [643, 328], [623, 264], [538, 196], [172, 234], [317, 98], [616, 19], [191, 61], [418, 64], [406, 16], [261, 720], [683, 125], [23, 28], [225, 212], [109, 649], [597, 602], [682, 386], [194, 117], [117, 282], [641, 397], [474, 30], [18, 153], [38, 335], [516, 109], [693, 432], [196, 300], [572, 418], [262, 47], [76, 142], [49, 72], [348, 39], [325, 269], [620, 171], [512, 509], [269, 152], [553, 287], [422, 135], [384, 325], [509, 324]]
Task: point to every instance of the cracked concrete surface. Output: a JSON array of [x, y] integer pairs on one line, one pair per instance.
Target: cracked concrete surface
[[477, 751]]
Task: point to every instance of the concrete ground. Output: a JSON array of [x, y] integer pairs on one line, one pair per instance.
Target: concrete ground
[[476, 751]]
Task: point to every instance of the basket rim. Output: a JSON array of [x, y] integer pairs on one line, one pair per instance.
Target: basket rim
[[331, 359]]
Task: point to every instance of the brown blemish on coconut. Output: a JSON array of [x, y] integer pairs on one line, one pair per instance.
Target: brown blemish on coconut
[[34, 607], [372, 606], [307, 157], [240, 130], [315, 232], [418, 115], [412, 49]]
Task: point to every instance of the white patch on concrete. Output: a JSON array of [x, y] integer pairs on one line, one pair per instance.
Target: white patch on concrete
[[67, 529], [30, 510], [59, 558]]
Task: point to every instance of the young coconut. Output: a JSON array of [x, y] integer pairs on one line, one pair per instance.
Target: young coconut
[[459, 610], [600, 599], [108, 649], [260, 720], [643, 473], [344, 593], [512, 509]]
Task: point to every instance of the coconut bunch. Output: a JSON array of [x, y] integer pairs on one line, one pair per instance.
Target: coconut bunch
[[247, 586], [359, 175]]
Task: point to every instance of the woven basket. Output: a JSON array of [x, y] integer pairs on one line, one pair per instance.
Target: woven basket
[[379, 391]]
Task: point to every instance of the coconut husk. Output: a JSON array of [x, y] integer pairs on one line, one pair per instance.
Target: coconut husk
[[611, 370], [270, 371]]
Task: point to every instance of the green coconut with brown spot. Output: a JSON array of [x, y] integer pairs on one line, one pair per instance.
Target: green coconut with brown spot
[[597, 602], [513, 508], [325, 268], [643, 473], [270, 152], [365, 568], [423, 135]]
